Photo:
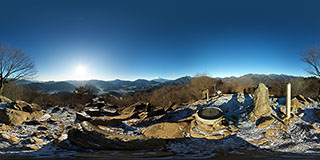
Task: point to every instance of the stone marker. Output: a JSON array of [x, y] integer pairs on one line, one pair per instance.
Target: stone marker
[[261, 101]]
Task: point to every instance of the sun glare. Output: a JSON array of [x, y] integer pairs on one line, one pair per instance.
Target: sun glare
[[80, 73]]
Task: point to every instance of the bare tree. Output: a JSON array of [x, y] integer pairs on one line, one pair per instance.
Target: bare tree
[[14, 65], [312, 57]]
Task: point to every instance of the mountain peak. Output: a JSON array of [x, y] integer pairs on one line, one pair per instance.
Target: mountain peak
[[160, 80]]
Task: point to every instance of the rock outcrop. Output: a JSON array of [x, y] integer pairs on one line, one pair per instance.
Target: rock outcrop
[[98, 107], [89, 136], [295, 104], [167, 130], [12, 116], [261, 101], [17, 112], [265, 122], [24, 106], [5, 99], [9, 138]]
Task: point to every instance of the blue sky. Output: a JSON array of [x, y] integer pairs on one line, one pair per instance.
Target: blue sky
[[127, 39]]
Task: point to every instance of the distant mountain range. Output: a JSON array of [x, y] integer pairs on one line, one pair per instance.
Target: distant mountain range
[[259, 78], [121, 86], [100, 87]]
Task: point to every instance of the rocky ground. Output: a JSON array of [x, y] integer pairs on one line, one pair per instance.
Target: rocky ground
[[143, 131]]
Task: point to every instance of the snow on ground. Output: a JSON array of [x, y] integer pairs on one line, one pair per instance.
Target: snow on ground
[[298, 138], [60, 119]]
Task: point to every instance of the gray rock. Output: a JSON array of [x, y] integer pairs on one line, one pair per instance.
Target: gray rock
[[261, 101], [89, 136]]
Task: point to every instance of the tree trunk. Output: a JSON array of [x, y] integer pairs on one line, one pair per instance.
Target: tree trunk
[[1, 88]]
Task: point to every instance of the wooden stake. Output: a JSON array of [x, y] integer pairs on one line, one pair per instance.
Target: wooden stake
[[288, 100]]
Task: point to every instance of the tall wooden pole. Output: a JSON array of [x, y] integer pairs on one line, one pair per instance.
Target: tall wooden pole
[[288, 100], [207, 94]]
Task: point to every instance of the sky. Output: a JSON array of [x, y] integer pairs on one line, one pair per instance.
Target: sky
[[133, 39]]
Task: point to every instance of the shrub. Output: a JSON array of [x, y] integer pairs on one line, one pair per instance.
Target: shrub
[[13, 91], [168, 95], [278, 89], [308, 87]]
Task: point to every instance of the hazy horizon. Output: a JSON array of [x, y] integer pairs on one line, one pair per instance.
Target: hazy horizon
[[36, 80], [128, 40]]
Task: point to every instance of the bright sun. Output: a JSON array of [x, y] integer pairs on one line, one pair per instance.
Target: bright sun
[[80, 73]]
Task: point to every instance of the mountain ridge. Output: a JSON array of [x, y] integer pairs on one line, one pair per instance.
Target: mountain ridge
[[125, 86]]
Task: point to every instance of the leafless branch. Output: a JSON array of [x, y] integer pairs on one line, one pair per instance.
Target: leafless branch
[[14, 65], [312, 57]]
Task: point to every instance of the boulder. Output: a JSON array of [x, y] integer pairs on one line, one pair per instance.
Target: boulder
[[251, 117], [295, 104], [156, 112], [43, 128], [151, 113], [311, 100], [257, 143], [40, 117], [93, 111], [209, 128], [261, 101], [318, 98], [9, 138], [144, 122], [196, 133], [31, 147], [4, 127], [233, 128], [265, 122], [104, 111], [40, 133], [36, 107], [315, 127], [12, 116], [143, 115], [89, 136], [281, 115], [176, 106], [35, 140], [301, 98], [166, 130], [105, 122], [36, 114], [108, 111], [22, 106], [137, 107], [271, 133], [61, 138], [5, 99], [121, 117], [83, 116]]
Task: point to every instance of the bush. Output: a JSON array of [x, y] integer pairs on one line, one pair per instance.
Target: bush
[[308, 87], [168, 95], [13, 91], [79, 97], [278, 89]]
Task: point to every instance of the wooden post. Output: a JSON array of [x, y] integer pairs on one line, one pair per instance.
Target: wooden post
[[288, 100], [208, 95]]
